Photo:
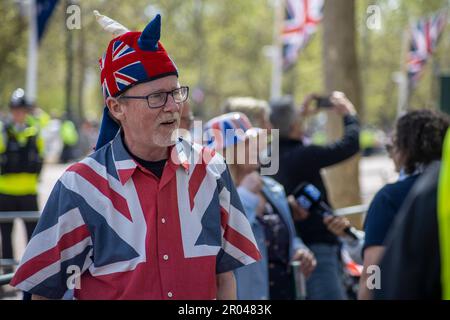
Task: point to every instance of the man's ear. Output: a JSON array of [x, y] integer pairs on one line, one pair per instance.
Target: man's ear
[[116, 109]]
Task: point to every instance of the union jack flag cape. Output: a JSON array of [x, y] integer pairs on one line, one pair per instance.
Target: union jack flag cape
[[97, 220]]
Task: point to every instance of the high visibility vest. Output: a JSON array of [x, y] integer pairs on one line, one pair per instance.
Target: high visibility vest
[[444, 218], [21, 156], [40, 120], [69, 133]]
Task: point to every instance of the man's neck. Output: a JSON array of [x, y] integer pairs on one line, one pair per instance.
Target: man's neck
[[146, 152]]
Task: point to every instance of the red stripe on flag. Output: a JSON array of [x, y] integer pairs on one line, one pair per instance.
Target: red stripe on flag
[[115, 65], [102, 185], [237, 239], [50, 256], [195, 182], [124, 77], [118, 48]]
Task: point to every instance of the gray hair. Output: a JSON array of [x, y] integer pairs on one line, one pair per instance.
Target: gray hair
[[256, 110], [283, 115]]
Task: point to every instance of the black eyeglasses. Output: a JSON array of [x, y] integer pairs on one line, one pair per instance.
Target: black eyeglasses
[[159, 99]]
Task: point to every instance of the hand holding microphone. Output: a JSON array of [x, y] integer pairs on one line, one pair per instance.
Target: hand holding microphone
[[310, 198], [337, 225]]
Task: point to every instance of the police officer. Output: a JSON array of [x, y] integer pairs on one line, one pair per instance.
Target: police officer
[[21, 157], [69, 137]]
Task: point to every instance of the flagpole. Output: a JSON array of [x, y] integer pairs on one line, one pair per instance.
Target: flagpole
[[404, 89], [277, 50], [31, 76]]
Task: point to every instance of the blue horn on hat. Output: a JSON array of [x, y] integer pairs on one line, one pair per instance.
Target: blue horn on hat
[[148, 41]]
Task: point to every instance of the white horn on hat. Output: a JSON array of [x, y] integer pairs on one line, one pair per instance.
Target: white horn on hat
[[110, 25]]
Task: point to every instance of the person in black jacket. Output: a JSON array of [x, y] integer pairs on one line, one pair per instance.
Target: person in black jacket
[[411, 266], [302, 163]]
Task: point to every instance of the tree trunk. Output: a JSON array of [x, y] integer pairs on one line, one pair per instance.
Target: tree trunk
[[341, 73]]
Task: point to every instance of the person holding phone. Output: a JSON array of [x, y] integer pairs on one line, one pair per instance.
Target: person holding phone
[[302, 163]]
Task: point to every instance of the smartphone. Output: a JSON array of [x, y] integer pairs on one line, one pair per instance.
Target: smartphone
[[323, 102]]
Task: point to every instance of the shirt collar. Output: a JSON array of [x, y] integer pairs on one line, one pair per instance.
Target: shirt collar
[[126, 165], [419, 170]]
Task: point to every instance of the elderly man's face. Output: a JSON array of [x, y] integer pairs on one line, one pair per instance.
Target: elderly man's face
[[152, 127]]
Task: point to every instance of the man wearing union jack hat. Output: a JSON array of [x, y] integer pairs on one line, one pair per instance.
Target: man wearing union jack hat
[[140, 218]]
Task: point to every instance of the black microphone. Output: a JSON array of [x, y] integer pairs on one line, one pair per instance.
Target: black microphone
[[310, 198]]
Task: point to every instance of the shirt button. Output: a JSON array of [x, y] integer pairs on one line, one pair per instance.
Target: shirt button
[[166, 257], [169, 294], [163, 220]]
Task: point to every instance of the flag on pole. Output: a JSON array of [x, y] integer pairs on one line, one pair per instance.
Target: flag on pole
[[425, 35], [301, 21], [39, 12], [44, 10]]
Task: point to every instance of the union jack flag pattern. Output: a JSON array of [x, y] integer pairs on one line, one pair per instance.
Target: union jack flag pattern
[[132, 236], [425, 35], [127, 70], [224, 131], [302, 19]]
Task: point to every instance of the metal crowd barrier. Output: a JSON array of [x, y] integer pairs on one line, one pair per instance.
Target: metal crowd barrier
[[362, 208], [6, 278], [9, 216], [34, 216]]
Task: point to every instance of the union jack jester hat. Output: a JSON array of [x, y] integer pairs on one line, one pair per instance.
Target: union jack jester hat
[[131, 58]]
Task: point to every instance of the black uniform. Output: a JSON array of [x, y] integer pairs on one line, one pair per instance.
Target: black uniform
[[300, 163], [411, 266]]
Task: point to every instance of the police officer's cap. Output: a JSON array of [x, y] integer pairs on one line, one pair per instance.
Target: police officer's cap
[[18, 99]]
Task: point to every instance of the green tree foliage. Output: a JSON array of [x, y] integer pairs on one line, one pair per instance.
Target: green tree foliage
[[12, 50]]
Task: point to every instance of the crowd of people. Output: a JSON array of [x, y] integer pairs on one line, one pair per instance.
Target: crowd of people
[[154, 214]]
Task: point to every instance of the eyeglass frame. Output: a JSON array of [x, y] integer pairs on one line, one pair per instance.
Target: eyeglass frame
[[165, 92]]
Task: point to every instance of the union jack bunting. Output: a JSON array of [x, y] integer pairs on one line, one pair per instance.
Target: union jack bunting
[[132, 236], [425, 35], [301, 21]]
